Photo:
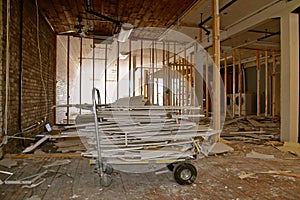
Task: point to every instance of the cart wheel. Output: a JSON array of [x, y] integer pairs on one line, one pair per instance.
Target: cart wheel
[[185, 173], [108, 169], [105, 180]]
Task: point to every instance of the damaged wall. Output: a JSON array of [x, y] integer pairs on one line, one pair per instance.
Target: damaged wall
[[31, 72]]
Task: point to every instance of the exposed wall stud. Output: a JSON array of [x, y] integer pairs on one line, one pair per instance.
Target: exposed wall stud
[[266, 83], [257, 83]]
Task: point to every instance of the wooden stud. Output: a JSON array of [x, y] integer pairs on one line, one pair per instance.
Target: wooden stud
[[240, 84], [200, 35], [133, 74], [274, 85], [217, 53], [225, 82], [233, 84], [129, 69], [156, 70], [266, 83], [118, 68], [105, 75], [68, 79], [258, 83], [80, 74], [141, 88], [152, 75], [207, 85], [174, 82], [164, 75]]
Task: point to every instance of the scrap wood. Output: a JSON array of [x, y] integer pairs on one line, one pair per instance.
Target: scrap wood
[[273, 143], [279, 173], [254, 154], [290, 147], [255, 123], [34, 184], [57, 163], [38, 143], [233, 120], [25, 181], [48, 155]]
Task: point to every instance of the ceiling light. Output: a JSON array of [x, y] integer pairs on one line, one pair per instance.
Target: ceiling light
[[123, 55], [125, 32]]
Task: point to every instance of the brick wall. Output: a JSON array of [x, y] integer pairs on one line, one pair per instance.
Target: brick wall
[[38, 73]]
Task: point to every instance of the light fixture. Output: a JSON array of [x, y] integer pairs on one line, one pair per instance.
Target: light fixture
[[123, 55], [125, 32]]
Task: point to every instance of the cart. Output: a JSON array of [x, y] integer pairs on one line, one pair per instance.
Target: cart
[[145, 138]]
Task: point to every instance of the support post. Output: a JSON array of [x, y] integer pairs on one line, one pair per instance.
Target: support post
[[217, 51], [289, 36]]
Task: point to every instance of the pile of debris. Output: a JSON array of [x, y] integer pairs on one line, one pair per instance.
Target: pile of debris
[[252, 129]]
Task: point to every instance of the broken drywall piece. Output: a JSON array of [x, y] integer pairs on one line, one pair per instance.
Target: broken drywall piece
[[34, 197], [58, 163], [219, 148], [290, 147], [254, 154], [9, 163], [34, 146], [278, 173]]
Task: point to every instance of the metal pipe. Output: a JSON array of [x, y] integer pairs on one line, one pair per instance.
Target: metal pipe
[[221, 10]]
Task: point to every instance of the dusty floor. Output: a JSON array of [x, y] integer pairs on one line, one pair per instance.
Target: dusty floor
[[218, 178]]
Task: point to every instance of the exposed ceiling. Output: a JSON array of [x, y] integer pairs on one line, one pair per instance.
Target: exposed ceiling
[[63, 15]]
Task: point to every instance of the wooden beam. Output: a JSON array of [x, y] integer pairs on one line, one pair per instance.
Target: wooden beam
[[274, 85], [266, 83], [257, 83], [217, 54], [240, 84]]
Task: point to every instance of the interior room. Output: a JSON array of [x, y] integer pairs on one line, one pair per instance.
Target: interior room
[[116, 99]]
